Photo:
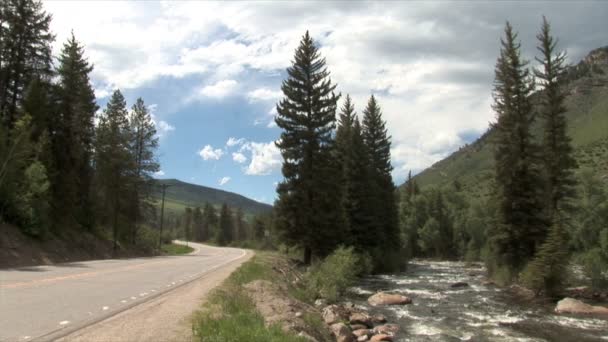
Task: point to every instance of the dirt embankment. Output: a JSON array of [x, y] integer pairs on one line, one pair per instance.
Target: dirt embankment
[[19, 250]]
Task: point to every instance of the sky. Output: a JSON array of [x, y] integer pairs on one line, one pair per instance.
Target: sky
[[211, 72]]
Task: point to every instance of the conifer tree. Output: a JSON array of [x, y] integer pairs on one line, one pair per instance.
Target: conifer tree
[[523, 225], [143, 144], [114, 161], [25, 52], [187, 223], [197, 224], [225, 232], [210, 221], [545, 271], [557, 149], [308, 207], [240, 231], [72, 141], [383, 200]]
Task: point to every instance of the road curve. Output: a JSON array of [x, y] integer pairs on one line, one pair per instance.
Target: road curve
[[47, 302]]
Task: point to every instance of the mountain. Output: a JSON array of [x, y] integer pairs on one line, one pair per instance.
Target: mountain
[[472, 166], [181, 194]]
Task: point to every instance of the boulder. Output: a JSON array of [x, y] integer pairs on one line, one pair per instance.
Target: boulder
[[333, 314], [378, 319], [360, 318], [363, 338], [459, 284], [342, 332], [387, 329], [571, 305], [358, 326], [381, 337], [362, 332], [320, 302], [383, 298]]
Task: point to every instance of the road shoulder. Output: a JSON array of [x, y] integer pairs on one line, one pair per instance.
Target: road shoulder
[[165, 318]]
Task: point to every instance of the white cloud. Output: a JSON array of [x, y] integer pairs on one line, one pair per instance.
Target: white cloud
[[159, 173], [219, 89], [208, 153], [239, 157], [224, 180], [234, 141], [265, 158], [264, 94]]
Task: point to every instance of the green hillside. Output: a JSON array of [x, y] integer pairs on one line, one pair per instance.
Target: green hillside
[[473, 165], [180, 195]]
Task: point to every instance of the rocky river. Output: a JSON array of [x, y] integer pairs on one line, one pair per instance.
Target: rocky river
[[476, 311]]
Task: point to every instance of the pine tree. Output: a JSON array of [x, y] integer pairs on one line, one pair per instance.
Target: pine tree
[[225, 232], [523, 225], [210, 222], [187, 223], [546, 270], [557, 150], [114, 161], [143, 144], [308, 207], [383, 200], [197, 224], [73, 137], [25, 52], [240, 230]]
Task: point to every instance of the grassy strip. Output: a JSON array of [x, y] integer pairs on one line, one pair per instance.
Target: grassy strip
[[175, 249], [230, 314]]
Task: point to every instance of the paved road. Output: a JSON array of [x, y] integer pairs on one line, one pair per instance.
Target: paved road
[[46, 302]]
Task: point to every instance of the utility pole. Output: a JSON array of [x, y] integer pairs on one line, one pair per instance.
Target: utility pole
[[162, 218]]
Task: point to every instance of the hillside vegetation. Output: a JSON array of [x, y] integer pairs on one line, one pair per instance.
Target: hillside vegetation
[[587, 83]]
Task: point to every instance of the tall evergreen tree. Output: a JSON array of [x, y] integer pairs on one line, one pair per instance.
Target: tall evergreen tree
[[210, 221], [72, 134], [545, 271], [197, 224], [114, 162], [383, 200], [308, 207], [523, 225], [25, 52], [557, 149], [143, 145], [187, 223], [240, 230], [226, 228]]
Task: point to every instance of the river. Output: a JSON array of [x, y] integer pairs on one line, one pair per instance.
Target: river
[[473, 313]]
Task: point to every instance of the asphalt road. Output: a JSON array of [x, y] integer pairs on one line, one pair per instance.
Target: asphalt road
[[47, 302]]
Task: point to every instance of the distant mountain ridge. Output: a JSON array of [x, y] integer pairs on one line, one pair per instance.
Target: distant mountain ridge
[[472, 166], [182, 194]]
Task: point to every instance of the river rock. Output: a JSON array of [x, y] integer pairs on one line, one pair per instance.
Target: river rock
[[381, 337], [363, 338], [459, 284], [360, 318], [378, 319], [320, 302], [387, 329], [362, 332], [571, 305], [358, 326], [342, 332], [333, 314], [383, 298]]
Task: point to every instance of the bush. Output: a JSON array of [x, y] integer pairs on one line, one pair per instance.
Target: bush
[[595, 266], [331, 277]]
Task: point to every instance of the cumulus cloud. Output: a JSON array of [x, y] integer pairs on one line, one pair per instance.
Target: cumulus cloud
[[264, 94], [265, 158], [239, 157], [159, 173], [224, 180], [234, 141], [209, 153], [219, 89]]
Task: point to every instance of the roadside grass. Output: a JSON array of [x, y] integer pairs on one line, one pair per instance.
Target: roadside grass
[[175, 249], [230, 314]]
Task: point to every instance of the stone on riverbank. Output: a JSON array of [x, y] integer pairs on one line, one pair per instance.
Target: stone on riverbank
[[571, 305], [342, 332], [383, 298]]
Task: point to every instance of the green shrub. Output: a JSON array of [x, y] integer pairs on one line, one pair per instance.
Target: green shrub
[[595, 266], [331, 277]]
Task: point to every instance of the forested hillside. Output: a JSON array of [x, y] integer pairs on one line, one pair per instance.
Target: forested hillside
[[180, 195]]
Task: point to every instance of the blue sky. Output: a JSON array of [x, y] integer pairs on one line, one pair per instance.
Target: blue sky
[[211, 72]]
